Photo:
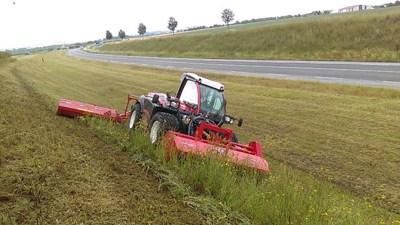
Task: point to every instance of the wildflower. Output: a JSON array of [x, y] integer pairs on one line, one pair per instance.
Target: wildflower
[[223, 217]]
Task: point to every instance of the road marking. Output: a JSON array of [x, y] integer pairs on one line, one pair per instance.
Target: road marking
[[203, 62], [391, 82], [281, 67], [330, 78]]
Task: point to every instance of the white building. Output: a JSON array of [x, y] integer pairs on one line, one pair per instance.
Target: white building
[[354, 8]]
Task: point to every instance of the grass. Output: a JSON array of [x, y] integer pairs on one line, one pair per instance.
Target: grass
[[55, 170], [362, 36], [286, 197], [333, 148], [4, 56]]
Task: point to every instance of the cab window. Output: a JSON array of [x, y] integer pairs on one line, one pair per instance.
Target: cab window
[[211, 101], [189, 92]]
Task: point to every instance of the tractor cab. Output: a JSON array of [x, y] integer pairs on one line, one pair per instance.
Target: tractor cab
[[199, 95]]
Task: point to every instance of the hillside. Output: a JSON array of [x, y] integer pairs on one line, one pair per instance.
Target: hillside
[[4, 56], [359, 36]]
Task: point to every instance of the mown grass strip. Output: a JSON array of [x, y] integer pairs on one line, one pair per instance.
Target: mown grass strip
[[56, 171]]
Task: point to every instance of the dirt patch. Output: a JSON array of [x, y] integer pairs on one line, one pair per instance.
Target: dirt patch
[[55, 170]]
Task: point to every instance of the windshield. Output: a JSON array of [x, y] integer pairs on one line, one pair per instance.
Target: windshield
[[212, 101], [189, 93]]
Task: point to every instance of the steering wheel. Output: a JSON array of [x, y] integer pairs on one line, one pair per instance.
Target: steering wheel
[[207, 104]]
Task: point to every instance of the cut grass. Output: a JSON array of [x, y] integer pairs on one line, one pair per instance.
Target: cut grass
[[56, 171], [362, 36], [333, 132]]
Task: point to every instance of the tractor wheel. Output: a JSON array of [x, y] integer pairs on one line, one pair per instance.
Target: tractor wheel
[[136, 115], [160, 124]]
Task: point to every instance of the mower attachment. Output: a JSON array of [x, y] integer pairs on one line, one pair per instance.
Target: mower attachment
[[73, 109], [246, 155]]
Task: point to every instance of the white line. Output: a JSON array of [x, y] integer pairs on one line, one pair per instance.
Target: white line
[[391, 82], [277, 75], [331, 78], [276, 67]]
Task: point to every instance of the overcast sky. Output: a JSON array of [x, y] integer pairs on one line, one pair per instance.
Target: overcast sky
[[45, 22]]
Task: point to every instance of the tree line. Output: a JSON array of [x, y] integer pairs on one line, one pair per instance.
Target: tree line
[[227, 17]]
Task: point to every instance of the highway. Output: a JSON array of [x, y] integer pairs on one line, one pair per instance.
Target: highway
[[385, 75]]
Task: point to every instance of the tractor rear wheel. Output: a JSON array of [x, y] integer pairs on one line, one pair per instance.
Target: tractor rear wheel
[[160, 124], [136, 115]]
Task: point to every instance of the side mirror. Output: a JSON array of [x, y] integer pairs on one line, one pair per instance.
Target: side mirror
[[155, 98], [240, 122]]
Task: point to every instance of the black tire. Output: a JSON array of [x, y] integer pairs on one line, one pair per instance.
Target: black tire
[[234, 138], [160, 124], [134, 118]]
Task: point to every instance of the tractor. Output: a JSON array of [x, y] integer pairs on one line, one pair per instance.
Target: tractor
[[197, 100], [189, 122]]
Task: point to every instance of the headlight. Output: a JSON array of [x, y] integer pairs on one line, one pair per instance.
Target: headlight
[[228, 119], [174, 104]]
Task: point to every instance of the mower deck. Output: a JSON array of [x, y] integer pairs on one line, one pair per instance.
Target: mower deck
[[73, 109]]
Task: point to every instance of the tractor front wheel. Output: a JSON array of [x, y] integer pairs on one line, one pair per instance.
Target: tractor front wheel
[[160, 124], [136, 115]]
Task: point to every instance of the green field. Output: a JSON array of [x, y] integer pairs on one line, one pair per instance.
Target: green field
[[362, 36], [333, 150]]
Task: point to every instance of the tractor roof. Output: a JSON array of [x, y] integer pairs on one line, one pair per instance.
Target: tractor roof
[[202, 80]]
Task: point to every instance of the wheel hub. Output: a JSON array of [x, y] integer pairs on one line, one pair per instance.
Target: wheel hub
[[132, 120], [155, 129]]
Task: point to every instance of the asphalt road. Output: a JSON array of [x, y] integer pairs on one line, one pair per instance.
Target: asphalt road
[[355, 73]]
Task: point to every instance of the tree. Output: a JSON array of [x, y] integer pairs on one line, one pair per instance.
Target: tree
[[121, 34], [108, 35], [141, 29], [227, 16], [172, 23]]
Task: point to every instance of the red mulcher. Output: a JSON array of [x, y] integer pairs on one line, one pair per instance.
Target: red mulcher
[[190, 123]]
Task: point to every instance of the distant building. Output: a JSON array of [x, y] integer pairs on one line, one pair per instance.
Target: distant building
[[354, 8]]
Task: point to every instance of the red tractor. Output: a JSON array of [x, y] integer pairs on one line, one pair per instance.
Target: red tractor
[[190, 122]]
